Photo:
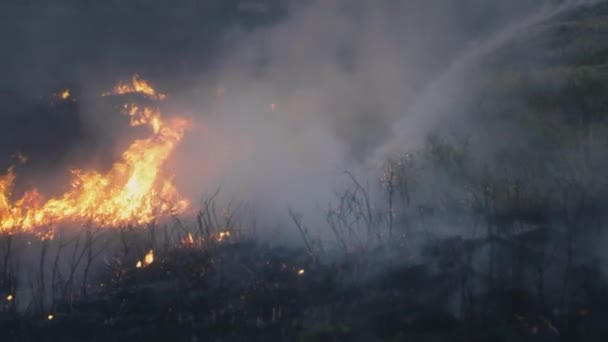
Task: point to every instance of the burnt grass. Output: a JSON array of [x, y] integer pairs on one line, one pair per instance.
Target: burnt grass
[[249, 291]]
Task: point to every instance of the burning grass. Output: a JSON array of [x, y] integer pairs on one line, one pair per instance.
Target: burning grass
[[239, 289], [135, 191], [209, 279]]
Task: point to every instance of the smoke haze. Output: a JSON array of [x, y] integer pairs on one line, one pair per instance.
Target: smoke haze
[[282, 103], [339, 86]]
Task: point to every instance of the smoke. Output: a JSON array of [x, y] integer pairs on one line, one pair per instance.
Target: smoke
[[280, 109], [335, 86], [455, 88]]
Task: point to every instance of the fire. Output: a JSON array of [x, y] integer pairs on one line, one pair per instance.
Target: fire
[[223, 235], [301, 272], [189, 240], [137, 86], [65, 94], [148, 260], [9, 298], [136, 190]]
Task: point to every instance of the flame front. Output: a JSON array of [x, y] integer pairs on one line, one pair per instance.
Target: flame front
[[137, 86], [135, 190]]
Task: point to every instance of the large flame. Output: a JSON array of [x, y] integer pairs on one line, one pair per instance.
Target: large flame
[[134, 191]]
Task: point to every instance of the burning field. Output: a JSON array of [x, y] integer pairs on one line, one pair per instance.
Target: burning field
[[135, 191], [304, 171], [93, 239]]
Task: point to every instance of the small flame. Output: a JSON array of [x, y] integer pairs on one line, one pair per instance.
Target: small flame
[[138, 265], [223, 235], [301, 272], [190, 240], [137, 86], [149, 258], [65, 94], [9, 298], [50, 317]]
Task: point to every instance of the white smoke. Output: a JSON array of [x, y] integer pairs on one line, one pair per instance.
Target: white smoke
[[337, 85], [452, 88]]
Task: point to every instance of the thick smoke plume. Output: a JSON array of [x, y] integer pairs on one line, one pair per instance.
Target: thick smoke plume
[[281, 107], [340, 86]]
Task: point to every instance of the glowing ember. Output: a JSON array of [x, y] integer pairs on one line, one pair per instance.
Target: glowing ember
[[148, 260], [223, 236], [134, 191], [192, 240], [189, 240]]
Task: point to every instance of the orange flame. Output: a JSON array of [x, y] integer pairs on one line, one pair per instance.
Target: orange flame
[[65, 94], [223, 236], [148, 260], [137, 86], [134, 191], [188, 241]]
